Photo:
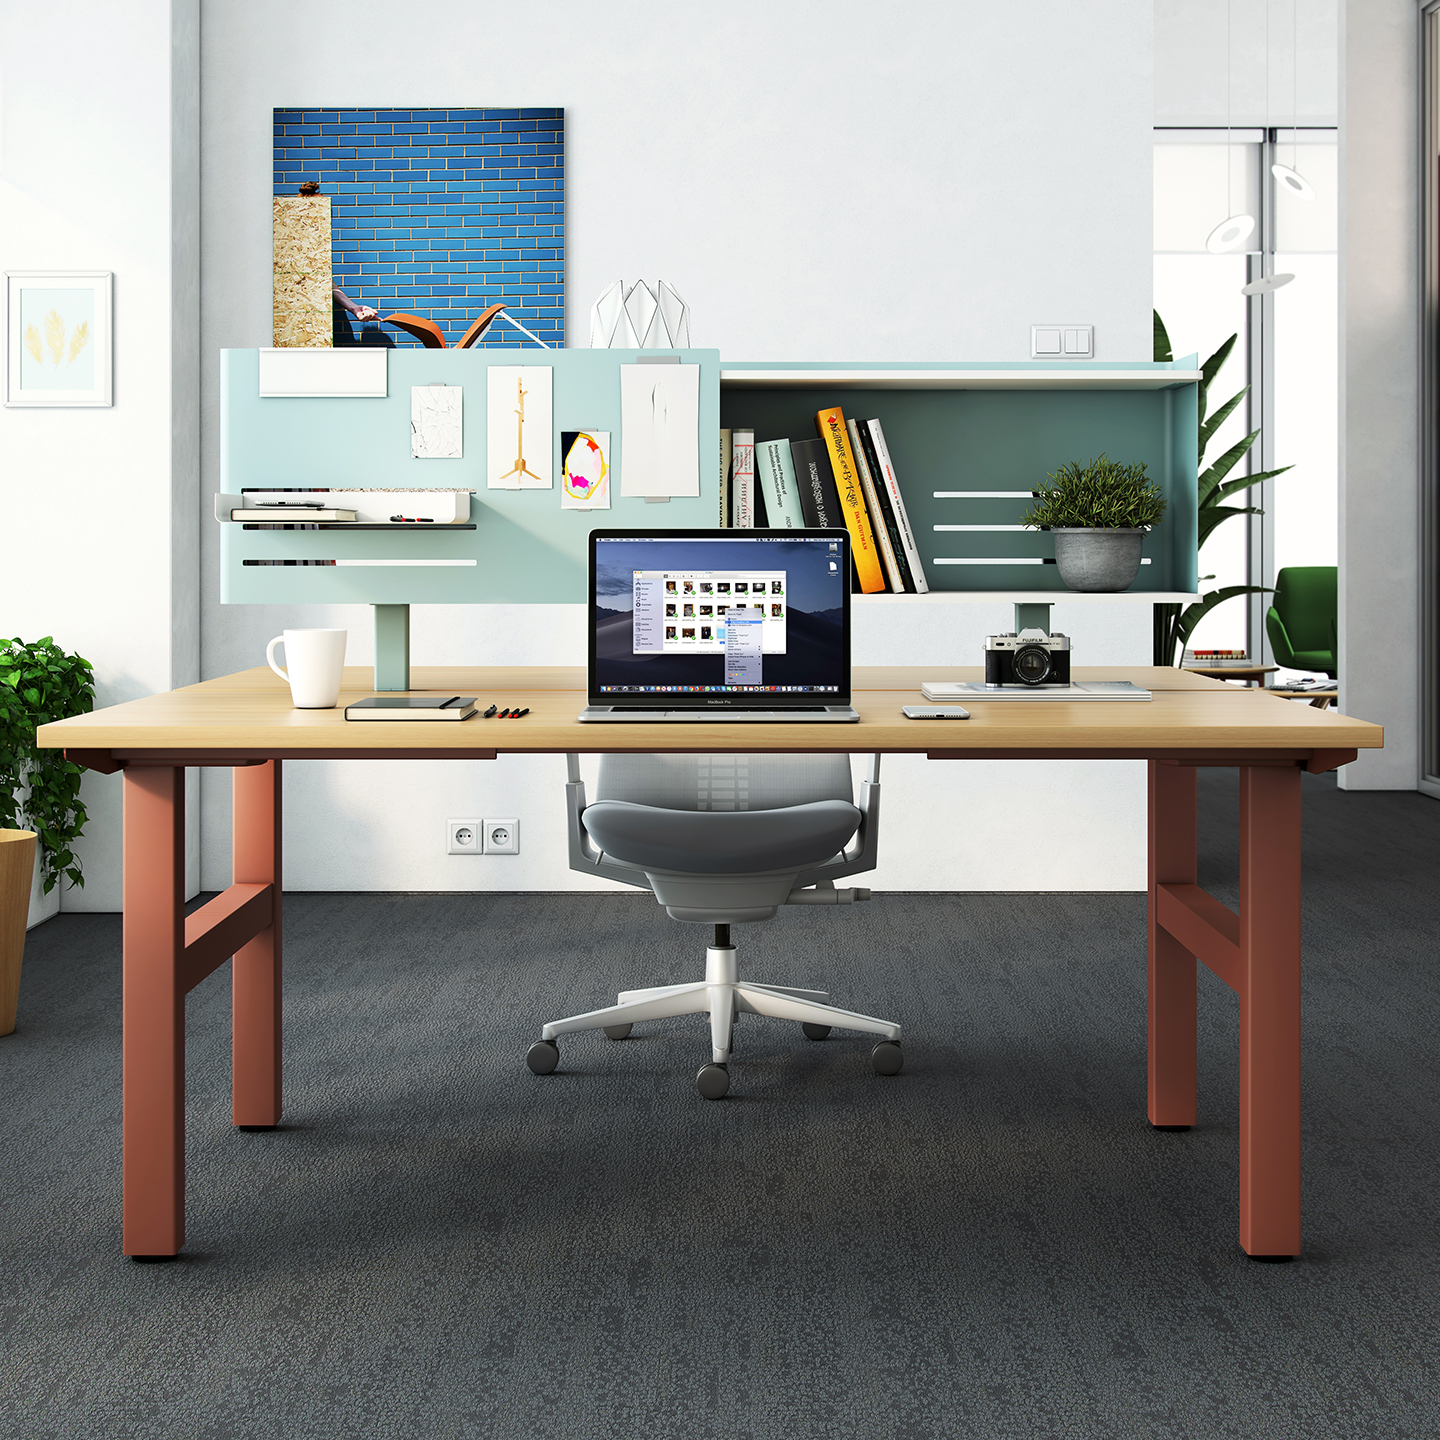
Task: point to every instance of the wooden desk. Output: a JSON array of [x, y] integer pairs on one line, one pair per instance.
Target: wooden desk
[[246, 722]]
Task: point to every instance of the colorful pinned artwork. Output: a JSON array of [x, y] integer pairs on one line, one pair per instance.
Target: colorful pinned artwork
[[585, 469]]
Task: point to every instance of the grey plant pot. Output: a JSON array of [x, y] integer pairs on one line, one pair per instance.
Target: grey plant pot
[[1098, 561]]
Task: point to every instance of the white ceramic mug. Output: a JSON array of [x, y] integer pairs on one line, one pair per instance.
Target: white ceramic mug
[[314, 662]]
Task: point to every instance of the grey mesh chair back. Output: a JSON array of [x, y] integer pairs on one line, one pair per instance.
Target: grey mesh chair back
[[724, 782]]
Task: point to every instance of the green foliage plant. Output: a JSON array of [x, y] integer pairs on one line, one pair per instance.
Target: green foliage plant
[[1103, 494], [1174, 625], [40, 683]]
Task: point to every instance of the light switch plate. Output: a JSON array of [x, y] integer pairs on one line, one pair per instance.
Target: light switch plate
[[1062, 342]]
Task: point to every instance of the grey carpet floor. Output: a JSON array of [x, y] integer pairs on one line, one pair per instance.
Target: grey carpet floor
[[992, 1244]]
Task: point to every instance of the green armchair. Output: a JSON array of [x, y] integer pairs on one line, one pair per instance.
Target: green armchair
[[1302, 622]]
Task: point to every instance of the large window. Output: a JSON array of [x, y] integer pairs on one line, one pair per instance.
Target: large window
[[1286, 350]]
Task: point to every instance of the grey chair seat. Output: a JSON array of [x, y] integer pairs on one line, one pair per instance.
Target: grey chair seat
[[735, 842]]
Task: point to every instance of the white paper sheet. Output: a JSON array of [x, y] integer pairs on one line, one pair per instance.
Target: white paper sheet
[[519, 439], [437, 426], [660, 430]]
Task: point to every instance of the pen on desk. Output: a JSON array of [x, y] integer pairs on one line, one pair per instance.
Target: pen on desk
[[505, 713], [488, 713], [519, 713]]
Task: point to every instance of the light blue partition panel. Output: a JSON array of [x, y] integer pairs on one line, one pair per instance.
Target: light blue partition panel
[[526, 547], [966, 428]]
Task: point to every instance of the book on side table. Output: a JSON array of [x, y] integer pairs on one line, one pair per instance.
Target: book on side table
[[412, 707]]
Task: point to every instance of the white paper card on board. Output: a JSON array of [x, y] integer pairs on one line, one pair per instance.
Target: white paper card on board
[[660, 430], [436, 422], [519, 440], [350, 372]]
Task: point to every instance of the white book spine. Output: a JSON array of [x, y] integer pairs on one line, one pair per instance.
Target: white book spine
[[743, 488], [897, 503], [777, 475], [878, 526], [725, 448]]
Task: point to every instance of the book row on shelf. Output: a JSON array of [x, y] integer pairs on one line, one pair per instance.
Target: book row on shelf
[[843, 479]]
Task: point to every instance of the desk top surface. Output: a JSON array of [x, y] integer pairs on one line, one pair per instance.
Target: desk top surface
[[249, 715]]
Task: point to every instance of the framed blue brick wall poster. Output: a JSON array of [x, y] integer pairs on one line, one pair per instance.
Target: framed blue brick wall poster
[[437, 214], [57, 337]]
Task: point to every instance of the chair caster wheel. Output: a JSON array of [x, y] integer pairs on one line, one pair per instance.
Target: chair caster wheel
[[814, 1032], [712, 1081], [617, 1032], [542, 1057], [886, 1058]]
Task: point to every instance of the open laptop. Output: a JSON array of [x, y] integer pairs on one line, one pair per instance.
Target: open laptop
[[707, 625]]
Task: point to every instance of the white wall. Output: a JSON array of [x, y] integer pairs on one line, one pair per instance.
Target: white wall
[[1277, 63], [99, 504], [819, 183], [1379, 387]]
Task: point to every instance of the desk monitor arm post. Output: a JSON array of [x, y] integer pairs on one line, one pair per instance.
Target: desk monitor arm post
[[392, 647], [1032, 617], [859, 855]]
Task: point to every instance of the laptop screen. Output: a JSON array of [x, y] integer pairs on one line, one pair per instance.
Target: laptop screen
[[738, 618]]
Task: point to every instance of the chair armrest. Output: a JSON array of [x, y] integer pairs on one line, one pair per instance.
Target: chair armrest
[[859, 855], [1279, 637], [584, 857]]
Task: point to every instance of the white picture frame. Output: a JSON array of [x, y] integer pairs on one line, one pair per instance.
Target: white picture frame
[[56, 321]]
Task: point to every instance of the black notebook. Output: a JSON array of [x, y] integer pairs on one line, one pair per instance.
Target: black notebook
[[412, 707]]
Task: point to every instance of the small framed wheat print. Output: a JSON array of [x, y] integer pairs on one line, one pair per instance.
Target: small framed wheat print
[[58, 337]]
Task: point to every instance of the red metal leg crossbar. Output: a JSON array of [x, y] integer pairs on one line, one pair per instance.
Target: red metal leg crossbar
[[1256, 953], [166, 955]]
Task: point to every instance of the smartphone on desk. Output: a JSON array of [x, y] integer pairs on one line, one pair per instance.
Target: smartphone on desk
[[934, 712]]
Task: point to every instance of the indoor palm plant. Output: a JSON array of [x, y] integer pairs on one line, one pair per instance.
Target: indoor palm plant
[[1174, 625], [1099, 513]]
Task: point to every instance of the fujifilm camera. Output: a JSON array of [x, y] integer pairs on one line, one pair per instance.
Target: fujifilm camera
[[1031, 658]]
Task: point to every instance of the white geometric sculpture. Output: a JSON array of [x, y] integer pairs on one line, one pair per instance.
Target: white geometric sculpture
[[635, 317]]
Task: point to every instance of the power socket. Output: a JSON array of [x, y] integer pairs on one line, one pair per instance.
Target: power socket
[[502, 837], [464, 837]]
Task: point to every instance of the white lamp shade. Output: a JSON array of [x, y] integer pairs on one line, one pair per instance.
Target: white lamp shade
[[1230, 234]]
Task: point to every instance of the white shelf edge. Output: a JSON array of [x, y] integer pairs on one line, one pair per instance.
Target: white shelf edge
[[1026, 597], [961, 379]]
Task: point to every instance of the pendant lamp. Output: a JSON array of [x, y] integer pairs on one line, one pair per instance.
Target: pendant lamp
[[1233, 231]]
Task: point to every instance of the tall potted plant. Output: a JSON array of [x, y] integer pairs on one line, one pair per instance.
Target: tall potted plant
[[39, 790], [1173, 624]]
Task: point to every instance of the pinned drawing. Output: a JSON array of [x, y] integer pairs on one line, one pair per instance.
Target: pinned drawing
[[635, 317], [660, 425], [585, 469], [518, 429], [436, 422]]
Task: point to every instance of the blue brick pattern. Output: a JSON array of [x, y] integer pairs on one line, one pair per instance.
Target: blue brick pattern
[[439, 213]]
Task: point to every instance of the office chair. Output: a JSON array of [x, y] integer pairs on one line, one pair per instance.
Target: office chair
[[1301, 622], [723, 840]]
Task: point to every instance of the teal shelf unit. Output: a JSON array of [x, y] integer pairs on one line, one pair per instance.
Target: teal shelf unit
[[956, 429], [525, 548], [958, 432]]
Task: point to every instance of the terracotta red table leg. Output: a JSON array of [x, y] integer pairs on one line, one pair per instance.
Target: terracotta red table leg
[[153, 1048], [255, 970], [1270, 1010], [1171, 1014]]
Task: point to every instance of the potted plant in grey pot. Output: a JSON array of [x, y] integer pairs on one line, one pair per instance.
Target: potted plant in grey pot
[[39, 791], [1099, 513]]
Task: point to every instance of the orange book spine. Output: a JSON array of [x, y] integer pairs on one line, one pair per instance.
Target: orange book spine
[[831, 424]]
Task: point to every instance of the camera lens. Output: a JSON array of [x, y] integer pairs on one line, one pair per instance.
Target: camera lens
[[1032, 665]]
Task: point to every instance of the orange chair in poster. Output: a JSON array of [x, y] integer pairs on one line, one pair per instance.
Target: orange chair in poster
[[430, 335]]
